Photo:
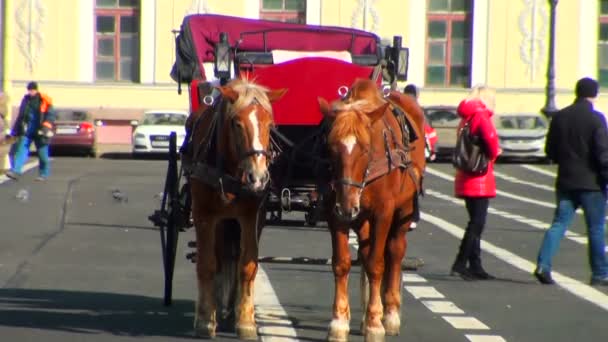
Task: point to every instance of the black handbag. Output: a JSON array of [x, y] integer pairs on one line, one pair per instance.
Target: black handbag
[[469, 154]]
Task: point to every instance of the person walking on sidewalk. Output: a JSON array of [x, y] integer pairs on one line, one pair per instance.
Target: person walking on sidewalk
[[475, 189], [577, 142], [34, 123]]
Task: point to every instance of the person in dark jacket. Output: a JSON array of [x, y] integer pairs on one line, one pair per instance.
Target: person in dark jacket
[[476, 190], [578, 142], [34, 123]]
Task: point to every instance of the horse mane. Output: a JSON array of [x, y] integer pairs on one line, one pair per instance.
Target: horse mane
[[249, 91], [364, 97], [351, 120]]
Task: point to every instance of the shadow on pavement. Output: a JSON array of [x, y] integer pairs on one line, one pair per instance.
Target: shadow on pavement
[[95, 312]]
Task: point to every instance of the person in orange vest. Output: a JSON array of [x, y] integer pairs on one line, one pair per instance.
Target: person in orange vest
[[34, 123]]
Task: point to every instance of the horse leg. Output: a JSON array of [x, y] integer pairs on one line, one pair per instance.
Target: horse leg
[[206, 265], [374, 267], [339, 327], [363, 253], [395, 252], [248, 267]]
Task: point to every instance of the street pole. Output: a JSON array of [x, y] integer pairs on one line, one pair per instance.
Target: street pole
[[550, 108]]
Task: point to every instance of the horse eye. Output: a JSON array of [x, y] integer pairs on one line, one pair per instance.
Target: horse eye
[[237, 124]]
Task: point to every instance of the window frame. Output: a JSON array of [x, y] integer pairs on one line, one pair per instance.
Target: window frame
[[117, 12], [449, 17], [602, 19], [283, 15]]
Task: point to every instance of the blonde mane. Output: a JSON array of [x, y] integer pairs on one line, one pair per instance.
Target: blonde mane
[[351, 120], [248, 93]]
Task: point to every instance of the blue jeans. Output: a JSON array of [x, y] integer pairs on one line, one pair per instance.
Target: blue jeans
[[22, 150], [594, 208]]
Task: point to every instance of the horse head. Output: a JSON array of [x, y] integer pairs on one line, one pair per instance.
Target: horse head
[[247, 130], [351, 149]]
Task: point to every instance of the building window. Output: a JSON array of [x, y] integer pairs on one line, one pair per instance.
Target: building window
[[603, 44], [449, 36], [117, 40], [291, 11]]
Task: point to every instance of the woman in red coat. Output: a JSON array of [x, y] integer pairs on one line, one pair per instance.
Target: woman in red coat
[[476, 190]]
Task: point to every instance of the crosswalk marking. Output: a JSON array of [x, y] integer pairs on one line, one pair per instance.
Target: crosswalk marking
[[442, 307], [412, 278], [485, 338], [424, 292], [466, 322]]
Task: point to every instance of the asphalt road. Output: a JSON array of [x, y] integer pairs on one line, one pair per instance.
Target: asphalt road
[[78, 265]]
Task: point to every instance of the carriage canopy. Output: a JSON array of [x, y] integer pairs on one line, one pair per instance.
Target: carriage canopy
[[201, 32]]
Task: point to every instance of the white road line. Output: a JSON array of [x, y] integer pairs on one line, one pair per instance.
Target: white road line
[[412, 278], [540, 170], [442, 307], [447, 177], [28, 166], [523, 182], [273, 322], [521, 219], [485, 338], [571, 285], [429, 292], [424, 292], [466, 323]]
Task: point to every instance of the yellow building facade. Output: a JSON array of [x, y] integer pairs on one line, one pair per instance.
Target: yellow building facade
[[71, 47]]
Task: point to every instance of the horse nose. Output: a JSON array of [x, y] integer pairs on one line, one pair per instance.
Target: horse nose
[[250, 177], [265, 177]]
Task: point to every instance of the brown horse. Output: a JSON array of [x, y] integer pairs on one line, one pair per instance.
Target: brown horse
[[377, 179], [228, 181]]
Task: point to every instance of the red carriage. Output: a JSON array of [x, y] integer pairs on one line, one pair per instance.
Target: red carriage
[[310, 62]]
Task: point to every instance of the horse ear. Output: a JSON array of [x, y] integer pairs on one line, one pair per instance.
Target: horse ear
[[228, 93], [378, 112], [276, 94], [325, 108]]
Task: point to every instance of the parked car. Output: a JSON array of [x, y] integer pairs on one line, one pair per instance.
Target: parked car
[[74, 131], [152, 134], [522, 135], [444, 120]]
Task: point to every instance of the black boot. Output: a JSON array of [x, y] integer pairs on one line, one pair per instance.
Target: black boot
[[460, 264], [475, 262]]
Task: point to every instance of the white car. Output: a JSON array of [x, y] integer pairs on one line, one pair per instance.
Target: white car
[[522, 135], [152, 134]]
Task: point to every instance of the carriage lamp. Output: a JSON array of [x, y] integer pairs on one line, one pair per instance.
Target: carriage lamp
[[222, 57], [400, 56]]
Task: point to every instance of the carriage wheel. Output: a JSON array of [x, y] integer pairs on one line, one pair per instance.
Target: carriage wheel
[[169, 231]]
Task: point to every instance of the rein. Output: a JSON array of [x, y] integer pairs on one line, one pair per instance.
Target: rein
[[393, 158]]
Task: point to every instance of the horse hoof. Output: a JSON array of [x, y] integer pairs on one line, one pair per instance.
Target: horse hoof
[[338, 330], [247, 332], [373, 334], [204, 329], [392, 324]]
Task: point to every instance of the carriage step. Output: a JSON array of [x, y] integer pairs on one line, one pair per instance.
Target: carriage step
[[408, 263]]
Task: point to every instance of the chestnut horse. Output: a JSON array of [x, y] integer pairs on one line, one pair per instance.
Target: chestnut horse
[[377, 179], [229, 155]]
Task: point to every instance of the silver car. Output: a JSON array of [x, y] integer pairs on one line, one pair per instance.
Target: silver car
[[445, 120], [522, 135]]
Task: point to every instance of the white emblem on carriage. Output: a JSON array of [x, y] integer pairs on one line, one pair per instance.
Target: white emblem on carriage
[[208, 100], [349, 142], [343, 91]]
